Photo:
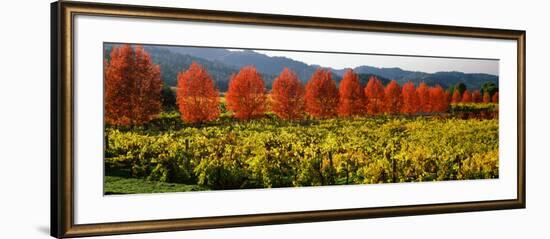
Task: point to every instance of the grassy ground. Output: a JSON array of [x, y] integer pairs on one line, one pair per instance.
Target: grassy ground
[[120, 185]]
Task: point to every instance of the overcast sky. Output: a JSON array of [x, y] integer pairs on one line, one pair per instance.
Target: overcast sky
[[412, 63]]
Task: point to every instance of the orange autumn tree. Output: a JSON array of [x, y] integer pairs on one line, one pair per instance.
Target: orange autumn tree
[[467, 97], [246, 94], [392, 98], [196, 95], [352, 97], [410, 99], [321, 95], [495, 98], [287, 95], [476, 97], [423, 92], [438, 99], [456, 97], [448, 97], [132, 86], [486, 97], [374, 94]]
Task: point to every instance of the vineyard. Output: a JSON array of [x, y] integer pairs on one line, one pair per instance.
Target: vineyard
[[274, 153], [193, 138]]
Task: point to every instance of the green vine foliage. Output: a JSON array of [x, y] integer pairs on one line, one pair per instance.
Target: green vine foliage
[[268, 152]]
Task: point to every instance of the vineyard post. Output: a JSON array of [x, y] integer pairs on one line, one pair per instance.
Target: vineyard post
[[393, 165]]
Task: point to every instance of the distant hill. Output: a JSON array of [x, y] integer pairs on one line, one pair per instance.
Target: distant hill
[[172, 63], [222, 63], [266, 64], [392, 73], [445, 79]]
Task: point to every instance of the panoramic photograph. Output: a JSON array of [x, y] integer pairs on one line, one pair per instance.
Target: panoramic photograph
[[182, 118]]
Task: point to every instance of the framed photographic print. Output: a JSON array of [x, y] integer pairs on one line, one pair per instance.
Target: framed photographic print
[[172, 119]]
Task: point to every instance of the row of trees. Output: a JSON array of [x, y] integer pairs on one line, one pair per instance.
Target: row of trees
[[474, 97], [133, 87], [198, 99]]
